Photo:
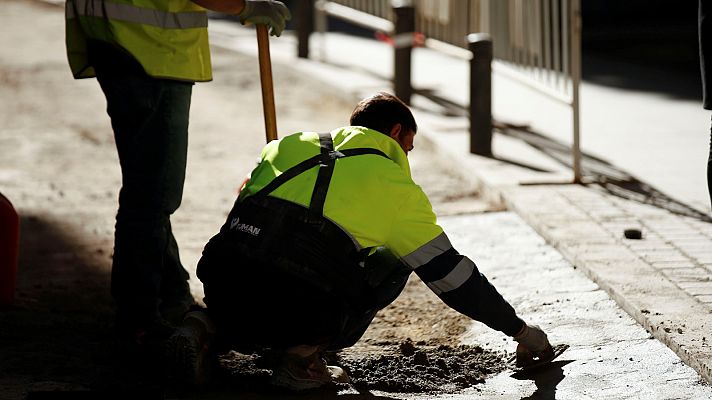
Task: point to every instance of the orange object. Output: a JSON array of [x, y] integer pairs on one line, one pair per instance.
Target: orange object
[[9, 247], [244, 183]]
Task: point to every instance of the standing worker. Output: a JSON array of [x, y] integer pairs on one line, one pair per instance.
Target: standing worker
[[146, 55], [325, 234]]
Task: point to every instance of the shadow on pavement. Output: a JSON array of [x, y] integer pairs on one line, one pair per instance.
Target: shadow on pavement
[[607, 176], [275, 395], [546, 380], [56, 335], [57, 341], [259, 389], [449, 107]]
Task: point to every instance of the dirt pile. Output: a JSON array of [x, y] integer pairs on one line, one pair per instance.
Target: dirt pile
[[396, 367]]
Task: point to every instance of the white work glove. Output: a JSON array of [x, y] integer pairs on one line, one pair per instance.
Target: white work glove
[[533, 339], [272, 13]]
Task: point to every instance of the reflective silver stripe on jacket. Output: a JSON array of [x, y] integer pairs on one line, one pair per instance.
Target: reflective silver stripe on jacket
[[139, 15], [459, 275], [428, 251]]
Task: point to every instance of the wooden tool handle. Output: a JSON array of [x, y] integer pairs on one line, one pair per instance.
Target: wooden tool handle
[[266, 82]]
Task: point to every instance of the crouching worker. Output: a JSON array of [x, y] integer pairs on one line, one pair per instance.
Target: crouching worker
[[323, 236]]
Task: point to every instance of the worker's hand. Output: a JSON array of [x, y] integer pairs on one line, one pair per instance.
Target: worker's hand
[[533, 339], [272, 13]]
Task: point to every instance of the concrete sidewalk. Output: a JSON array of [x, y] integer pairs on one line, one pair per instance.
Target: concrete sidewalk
[[663, 280]]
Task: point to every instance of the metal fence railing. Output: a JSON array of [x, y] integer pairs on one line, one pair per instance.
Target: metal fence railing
[[540, 39], [537, 42]]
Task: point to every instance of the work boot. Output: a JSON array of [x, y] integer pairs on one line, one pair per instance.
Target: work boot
[[301, 373], [188, 350]]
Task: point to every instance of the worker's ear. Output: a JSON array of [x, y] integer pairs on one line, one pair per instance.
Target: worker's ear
[[395, 132]]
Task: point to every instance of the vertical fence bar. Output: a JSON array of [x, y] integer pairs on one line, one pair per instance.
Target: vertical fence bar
[[575, 82], [565, 42], [458, 23], [438, 23], [321, 26], [513, 25], [305, 26], [503, 15], [502, 40], [535, 22], [469, 26], [556, 19], [485, 18], [527, 12], [547, 41], [521, 33], [418, 16], [538, 43], [404, 26], [480, 44], [497, 30]]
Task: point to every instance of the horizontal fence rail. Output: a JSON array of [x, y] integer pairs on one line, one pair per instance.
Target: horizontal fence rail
[[370, 14], [378, 8]]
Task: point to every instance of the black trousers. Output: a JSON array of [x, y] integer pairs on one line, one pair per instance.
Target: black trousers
[[149, 117], [256, 305], [709, 168]]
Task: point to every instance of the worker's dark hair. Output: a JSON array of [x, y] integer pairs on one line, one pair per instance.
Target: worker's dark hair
[[381, 112]]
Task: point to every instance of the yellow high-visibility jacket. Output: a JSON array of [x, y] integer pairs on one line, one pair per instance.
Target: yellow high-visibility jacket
[[169, 38], [375, 201], [370, 197]]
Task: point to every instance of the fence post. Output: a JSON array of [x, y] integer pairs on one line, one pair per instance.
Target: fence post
[[480, 44], [403, 44], [305, 26]]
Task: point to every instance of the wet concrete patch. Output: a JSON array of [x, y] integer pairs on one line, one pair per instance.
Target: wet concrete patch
[[393, 367], [244, 371], [415, 367]]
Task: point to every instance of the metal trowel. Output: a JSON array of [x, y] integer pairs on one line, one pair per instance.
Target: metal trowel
[[525, 361]]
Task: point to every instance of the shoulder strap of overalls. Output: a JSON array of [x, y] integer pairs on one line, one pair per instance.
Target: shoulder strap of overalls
[[326, 161]]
